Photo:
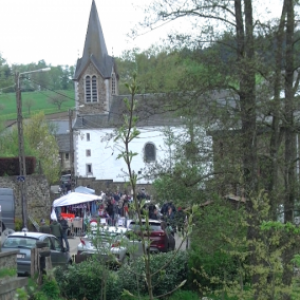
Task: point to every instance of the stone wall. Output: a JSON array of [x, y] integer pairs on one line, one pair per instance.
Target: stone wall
[[9, 284], [110, 186], [38, 196], [8, 260], [103, 103]]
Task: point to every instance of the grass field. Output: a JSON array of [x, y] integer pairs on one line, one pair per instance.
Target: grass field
[[40, 103]]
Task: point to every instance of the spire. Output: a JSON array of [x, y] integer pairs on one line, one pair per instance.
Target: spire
[[94, 50], [94, 42]]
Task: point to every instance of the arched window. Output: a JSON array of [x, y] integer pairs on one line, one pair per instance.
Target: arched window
[[87, 89], [113, 84], [91, 89], [94, 88], [150, 152]]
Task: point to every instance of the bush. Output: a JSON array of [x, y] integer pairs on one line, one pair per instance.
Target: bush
[[164, 282], [86, 280], [186, 295]]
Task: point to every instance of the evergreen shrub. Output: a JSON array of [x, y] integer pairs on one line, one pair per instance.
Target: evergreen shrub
[[165, 281]]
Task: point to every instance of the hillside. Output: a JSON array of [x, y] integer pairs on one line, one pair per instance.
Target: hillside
[[38, 101]]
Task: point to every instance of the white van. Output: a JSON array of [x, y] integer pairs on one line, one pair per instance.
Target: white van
[[7, 203]]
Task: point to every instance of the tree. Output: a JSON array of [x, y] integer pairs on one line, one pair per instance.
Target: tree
[[28, 103], [57, 100], [127, 133], [237, 72], [44, 146]]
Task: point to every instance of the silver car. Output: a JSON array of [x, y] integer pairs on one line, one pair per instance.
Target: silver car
[[110, 243], [25, 241]]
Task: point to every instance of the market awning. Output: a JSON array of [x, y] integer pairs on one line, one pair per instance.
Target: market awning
[[74, 198], [84, 190]]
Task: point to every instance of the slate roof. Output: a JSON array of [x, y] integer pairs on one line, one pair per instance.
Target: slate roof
[[63, 141], [95, 51], [150, 111], [60, 126]]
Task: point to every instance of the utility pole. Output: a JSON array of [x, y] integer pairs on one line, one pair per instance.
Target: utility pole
[[22, 166], [71, 150]]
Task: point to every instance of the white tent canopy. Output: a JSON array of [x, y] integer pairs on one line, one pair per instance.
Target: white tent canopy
[[84, 190], [74, 198]]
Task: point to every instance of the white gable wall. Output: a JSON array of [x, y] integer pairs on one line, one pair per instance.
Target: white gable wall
[[104, 152]]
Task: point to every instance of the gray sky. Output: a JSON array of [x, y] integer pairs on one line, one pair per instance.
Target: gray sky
[[54, 30]]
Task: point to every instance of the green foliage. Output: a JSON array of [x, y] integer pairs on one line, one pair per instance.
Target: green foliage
[[88, 279], [38, 142], [8, 272], [50, 288], [163, 282], [184, 294], [44, 145], [211, 250], [18, 224], [21, 294]]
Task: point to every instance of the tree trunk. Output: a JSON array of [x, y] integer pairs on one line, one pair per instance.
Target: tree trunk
[[290, 139], [245, 55]]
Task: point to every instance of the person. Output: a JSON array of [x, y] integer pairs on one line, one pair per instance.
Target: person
[[111, 211], [64, 234], [56, 230], [44, 227], [87, 217], [170, 218]]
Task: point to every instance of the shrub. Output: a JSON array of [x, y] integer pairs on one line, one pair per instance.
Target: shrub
[[50, 288], [87, 279], [18, 224], [164, 282], [186, 295]]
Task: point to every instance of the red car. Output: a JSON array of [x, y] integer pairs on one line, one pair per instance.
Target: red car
[[161, 237]]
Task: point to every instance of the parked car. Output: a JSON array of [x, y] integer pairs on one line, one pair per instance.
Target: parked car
[[25, 241], [110, 243], [161, 235]]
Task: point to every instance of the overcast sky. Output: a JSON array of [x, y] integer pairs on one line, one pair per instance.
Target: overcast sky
[[54, 30]]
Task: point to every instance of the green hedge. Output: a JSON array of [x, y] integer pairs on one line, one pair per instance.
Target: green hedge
[[164, 282], [86, 279]]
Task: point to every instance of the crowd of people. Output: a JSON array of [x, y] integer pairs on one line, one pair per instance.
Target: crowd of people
[[116, 209]]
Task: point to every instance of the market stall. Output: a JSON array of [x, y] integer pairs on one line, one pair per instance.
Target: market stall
[[73, 207]]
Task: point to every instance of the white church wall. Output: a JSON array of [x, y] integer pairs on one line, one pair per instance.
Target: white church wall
[[100, 152], [104, 152]]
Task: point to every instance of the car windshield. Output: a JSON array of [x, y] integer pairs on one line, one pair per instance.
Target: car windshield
[[152, 226], [19, 242]]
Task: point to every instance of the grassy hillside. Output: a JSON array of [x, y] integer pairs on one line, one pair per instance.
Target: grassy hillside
[[8, 107]]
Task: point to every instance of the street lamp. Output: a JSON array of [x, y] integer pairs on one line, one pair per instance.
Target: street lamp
[[22, 166]]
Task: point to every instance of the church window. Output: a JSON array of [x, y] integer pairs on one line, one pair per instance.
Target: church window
[[94, 88], [88, 89], [113, 84], [88, 137], [67, 156], [91, 94], [150, 152], [88, 152]]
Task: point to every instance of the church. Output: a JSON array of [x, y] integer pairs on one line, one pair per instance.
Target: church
[[99, 112]]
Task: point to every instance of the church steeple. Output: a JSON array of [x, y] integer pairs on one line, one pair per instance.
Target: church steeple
[[95, 50]]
